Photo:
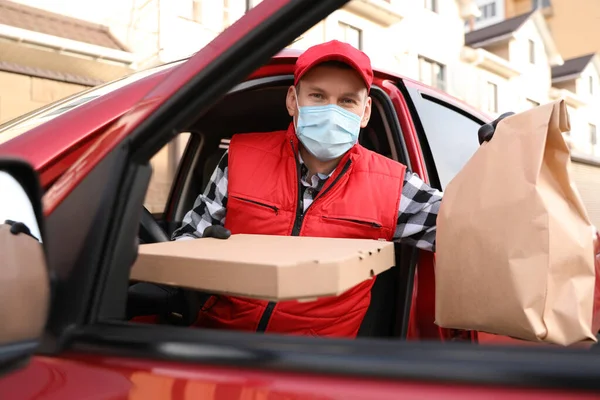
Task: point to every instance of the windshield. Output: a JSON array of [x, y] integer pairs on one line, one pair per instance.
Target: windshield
[[26, 122]]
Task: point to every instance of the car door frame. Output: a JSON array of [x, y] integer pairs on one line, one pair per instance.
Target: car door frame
[[411, 92], [97, 214]]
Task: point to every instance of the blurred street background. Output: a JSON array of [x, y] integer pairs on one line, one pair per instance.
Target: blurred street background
[[496, 55]]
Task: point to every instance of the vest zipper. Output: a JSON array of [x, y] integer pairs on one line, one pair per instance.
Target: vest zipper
[[266, 316], [337, 178], [299, 208], [299, 211]]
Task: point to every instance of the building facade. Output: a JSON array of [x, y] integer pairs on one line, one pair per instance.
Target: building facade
[[497, 55], [571, 29]]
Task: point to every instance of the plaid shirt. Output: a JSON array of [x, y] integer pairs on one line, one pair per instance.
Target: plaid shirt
[[417, 214]]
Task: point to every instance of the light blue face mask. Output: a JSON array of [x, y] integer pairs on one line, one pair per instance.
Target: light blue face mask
[[328, 131]]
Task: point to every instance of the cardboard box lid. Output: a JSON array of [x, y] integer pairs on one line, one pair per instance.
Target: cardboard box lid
[[263, 266]]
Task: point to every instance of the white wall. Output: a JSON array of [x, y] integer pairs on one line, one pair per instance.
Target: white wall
[[397, 48], [136, 24], [475, 89], [437, 36], [536, 79], [583, 87], [316, 34], [589, 114], [373, 36], [418, 34]]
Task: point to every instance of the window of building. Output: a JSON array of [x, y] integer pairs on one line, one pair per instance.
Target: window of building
[[350, 35], [531, 51], [591, 84], [491, 12], [432, 5], [432, 73], [593, 137], [488, 11], [492, 97]]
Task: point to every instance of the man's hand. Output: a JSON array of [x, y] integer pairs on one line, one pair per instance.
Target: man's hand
[[486, 132], [217, 232]]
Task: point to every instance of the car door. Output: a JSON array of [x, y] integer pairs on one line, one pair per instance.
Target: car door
[[116, 165], [445, 135]]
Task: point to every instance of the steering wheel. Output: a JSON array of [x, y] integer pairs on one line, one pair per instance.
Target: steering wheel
[[150, 230], [173, 305]]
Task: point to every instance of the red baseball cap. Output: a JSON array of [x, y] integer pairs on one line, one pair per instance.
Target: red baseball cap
[[334, 51]]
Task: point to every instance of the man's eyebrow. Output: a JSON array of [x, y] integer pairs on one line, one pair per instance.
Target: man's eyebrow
[[355, 95], [314, 88]]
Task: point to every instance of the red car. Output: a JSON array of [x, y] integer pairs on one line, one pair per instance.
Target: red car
[[91, 156]]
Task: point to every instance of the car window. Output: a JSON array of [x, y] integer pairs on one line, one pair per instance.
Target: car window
[[19, 125], [164, 167], [452, 137]]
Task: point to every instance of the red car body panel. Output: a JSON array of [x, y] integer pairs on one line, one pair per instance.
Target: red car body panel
[[104, 378]]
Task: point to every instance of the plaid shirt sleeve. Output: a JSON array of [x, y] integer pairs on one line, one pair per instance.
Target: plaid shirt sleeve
[[209, 208], [419, 207]]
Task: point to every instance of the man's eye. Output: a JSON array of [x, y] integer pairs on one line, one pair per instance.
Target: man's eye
[[348, 101], [316, 95]]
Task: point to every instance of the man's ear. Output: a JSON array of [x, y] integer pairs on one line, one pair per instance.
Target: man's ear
[[290, 101], [367, 116]]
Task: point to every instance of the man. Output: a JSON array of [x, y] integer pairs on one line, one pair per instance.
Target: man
[[313, 180]]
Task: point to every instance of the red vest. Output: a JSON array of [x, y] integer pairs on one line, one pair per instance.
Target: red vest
[[360, 200]]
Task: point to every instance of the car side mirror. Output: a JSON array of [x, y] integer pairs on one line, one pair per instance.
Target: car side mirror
[[24, 276]]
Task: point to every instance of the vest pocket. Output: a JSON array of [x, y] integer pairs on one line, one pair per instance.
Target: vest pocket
[[258, 204], [353, 222]]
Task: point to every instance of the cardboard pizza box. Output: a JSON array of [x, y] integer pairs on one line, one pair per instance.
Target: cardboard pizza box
[[265, 267]]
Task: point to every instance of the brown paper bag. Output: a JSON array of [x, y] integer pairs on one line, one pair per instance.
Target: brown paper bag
[[514, 243]]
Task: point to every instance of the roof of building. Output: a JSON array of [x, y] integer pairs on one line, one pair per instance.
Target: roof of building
[[41, 21], [6, 66], [506, 27], [573, 66]]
